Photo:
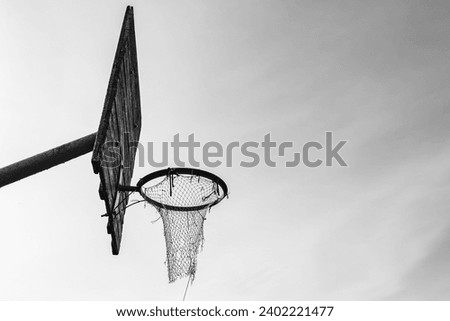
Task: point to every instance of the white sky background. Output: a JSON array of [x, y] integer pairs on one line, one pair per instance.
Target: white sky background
[[375, 73]]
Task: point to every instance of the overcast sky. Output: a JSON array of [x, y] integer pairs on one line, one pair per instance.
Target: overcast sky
[[375, 73]]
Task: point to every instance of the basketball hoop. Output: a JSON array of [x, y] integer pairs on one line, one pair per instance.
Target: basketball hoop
[[182, 197]]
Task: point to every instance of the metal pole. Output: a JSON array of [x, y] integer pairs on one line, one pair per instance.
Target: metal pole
[[46, 160]]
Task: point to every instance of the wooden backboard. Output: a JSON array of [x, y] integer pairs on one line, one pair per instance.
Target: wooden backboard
[[118, 133]]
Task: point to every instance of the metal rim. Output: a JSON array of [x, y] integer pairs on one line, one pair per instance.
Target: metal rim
[[185, 171]]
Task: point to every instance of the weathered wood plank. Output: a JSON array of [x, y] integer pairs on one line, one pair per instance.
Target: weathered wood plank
[[121, 114]]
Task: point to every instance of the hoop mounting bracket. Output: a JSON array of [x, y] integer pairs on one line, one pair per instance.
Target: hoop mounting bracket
[[128, 188]]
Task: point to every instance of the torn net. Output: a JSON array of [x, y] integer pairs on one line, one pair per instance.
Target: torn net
[[183, 229]]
